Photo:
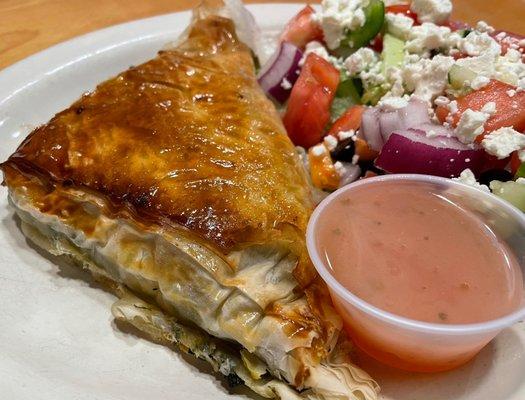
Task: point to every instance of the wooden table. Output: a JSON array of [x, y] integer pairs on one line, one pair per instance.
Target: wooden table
[[28, 26]]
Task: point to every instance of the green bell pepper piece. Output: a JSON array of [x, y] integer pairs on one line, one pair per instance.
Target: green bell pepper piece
[[374, 19]]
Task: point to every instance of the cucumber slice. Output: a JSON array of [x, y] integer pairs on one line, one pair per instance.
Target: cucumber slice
[[393, 52], [374, 19], [458, 76], [373, 95], [392, 55], [511, 191]]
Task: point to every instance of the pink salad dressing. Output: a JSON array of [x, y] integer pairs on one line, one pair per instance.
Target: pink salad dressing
[[416, 254]]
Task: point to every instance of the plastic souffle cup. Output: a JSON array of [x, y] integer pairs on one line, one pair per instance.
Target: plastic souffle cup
[[410, 344]]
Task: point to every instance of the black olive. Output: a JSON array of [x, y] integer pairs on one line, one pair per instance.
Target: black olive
[[344, 151], [501, 175]]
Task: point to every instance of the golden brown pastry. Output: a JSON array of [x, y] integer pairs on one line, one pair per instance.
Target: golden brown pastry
[[176, 184]]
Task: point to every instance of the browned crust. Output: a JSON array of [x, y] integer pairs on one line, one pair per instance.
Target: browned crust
[[187, 137]]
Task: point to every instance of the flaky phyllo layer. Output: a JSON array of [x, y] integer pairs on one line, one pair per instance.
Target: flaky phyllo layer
[[175, 183], [164, 277]]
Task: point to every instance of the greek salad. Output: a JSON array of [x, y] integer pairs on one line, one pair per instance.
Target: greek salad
[[370, 87]]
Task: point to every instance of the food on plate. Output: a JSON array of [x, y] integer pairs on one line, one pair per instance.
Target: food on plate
[[438, 96], [176, 185]]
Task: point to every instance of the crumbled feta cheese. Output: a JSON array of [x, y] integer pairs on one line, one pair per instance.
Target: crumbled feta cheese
[[484, 64], [343, 135], [453, 42], [316, 48], [502, 142], [467, 177], [453, 107], [412, 58], [512, 55], [340, 168], [509, 68], [319, 49], [330, 142], [442, 101], [436, 11], [482, 26], [394, 79], [373, 76], [521, 155], [318, 150], [339, 16], [511, 92], [285, 84], [392, 103], [476, 43], [355, 159], [427, 36], [428, 78], [398, 25], [489, 108], [470, 125], [479, 81], [360, 61], [521, 85]]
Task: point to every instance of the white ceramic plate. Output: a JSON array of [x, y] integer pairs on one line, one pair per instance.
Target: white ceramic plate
[[57, 337]]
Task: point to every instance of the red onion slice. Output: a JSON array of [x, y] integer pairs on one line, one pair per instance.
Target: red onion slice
[[281, 71], [371, 129], [415, 113], [411, 151], [390, 122], [432, 129]]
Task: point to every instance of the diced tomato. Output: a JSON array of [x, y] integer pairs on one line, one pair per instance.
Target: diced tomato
[[322, 170], [402, 9], [509, 40], [302, 29], [509, 110], [458, 55], [377, 43], [350, 120], [515, 162], [308, 110]]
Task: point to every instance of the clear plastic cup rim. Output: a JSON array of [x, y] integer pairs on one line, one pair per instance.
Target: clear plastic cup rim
[[403, 322]]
